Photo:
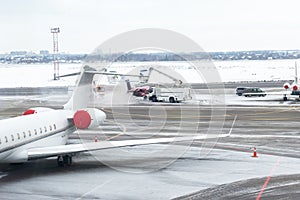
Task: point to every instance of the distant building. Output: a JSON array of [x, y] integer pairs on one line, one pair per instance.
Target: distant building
[[44, 52], [15, 53]]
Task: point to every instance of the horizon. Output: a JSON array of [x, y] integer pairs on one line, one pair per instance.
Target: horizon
[[151, 52]]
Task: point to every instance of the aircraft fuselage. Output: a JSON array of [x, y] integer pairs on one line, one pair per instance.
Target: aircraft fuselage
[[20, 133]]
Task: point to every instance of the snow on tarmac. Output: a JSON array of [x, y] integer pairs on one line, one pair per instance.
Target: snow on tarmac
[[188, 174]]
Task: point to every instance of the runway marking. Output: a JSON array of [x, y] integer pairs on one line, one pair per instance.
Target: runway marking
[[210, 116], [115, 136], [265, 136], [239, 148], [169, 117], [267, 180], [269, 112], [226, 147], [92, 190], [272, 119], [232, 124]]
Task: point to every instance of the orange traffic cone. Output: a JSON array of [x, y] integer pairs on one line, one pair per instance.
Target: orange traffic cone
[[96, 139], [254, 153]]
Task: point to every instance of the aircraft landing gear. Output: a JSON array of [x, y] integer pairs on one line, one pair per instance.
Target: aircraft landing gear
[[64, 160], [284, 98]]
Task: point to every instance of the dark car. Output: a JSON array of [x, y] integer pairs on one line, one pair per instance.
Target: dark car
[[251, 92], [240, 90]]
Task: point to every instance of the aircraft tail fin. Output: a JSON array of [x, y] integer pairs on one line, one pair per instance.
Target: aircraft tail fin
[[83, 89]]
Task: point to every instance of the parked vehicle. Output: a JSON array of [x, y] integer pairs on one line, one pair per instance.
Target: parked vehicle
[[240, 91], [172, 95], [251, 92]]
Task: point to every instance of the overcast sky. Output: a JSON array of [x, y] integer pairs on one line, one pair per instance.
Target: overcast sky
[[216, 25]]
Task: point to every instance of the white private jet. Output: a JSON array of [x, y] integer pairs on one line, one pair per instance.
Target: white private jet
[[289, 89], [294, 86], [43, 132]]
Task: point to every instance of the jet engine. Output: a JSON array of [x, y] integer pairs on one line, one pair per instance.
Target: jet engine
[[286, 86], [88, 118], [295, 87]]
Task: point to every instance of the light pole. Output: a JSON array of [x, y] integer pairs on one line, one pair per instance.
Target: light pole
[[55, 32]]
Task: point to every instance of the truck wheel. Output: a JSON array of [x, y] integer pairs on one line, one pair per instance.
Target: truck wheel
[[154, 99], [171, 100]]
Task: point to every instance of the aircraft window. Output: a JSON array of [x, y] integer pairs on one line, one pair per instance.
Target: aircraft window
[[12, 138], [41, 130], [29, 133], [50, 127], [24, 134], [35, 131], [54, 126], [6, 139], [45, 129], [18, 134]]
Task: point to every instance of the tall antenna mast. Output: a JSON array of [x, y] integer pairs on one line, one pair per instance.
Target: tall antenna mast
[[55, 32]]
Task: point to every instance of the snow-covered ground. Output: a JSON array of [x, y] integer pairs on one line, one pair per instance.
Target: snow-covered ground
[[256, 70], [39, 75], [33, 75]]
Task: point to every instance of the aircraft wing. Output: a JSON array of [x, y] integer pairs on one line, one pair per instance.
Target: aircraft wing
[[279, 92], [45, 152]]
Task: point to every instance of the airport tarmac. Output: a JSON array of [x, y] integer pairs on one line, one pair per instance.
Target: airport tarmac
[[206, 169]]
